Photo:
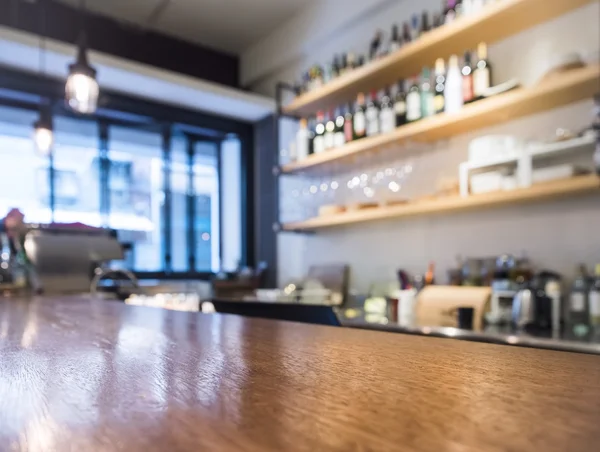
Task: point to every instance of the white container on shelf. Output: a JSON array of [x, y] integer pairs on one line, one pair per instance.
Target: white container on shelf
[[509, 183], [490, 152], [492, 148], [486, 182], [551, 173]]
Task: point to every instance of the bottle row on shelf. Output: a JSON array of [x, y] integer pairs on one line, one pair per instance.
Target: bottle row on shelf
[[382, 45], [522, 298], [447, 89]]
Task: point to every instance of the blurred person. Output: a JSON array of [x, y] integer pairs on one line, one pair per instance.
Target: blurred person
[[16, 230]]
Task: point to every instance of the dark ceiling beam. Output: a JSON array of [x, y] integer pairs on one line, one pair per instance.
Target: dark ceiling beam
[[63, 23], [109, 101]]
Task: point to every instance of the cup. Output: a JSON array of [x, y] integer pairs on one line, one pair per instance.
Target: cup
[[465, 318]]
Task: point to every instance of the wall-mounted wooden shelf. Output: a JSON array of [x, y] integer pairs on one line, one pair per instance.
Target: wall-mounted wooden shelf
[[538, 192], [555, 91], [494, 23]]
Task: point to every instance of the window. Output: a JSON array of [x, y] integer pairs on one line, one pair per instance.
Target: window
[[194, 194], [179, 211], [172, 190], [136, 194], [231, 214], [24, 174], [76, 172]]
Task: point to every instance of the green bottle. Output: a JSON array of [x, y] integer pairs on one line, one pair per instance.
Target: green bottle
[[427, 94]]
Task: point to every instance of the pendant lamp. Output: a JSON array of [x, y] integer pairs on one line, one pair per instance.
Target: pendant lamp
[[43, 135], [82, 89], [43, 132]]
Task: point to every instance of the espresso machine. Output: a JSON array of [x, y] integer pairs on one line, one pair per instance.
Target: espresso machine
[[70, 260], [536, 307]]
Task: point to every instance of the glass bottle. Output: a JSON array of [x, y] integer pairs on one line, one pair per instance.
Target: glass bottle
[[594, 299], [596, 128], [453, 93], [440, 86], [339, 136], [329, 137], [319, 140], [348, 125], [360, 121], [467, 79], [482, 74], [395, 42], [427, 107], [400, 104], [578, 308], [413, 102], [387, 116], [372, 115]]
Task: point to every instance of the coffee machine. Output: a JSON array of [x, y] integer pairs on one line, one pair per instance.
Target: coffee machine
[[536, 306]]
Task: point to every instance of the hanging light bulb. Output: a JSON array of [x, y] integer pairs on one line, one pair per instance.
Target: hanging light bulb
[[43, 132], [43, 135], [82, 88]]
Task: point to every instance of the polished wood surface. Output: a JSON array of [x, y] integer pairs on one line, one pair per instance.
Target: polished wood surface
[[495, 22], [85, 375], [579, 185], [557, 90]]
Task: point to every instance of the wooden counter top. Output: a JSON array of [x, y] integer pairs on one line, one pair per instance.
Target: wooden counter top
[[89, 375]]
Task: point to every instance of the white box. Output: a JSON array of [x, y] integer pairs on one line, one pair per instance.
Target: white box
[[494, 148], [553, 173], [486, 182]]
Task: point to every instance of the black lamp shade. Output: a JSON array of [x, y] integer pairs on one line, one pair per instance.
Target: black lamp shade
[[82, 88]]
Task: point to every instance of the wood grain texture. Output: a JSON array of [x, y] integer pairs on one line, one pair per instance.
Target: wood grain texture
[[89, 375], [544, 191]]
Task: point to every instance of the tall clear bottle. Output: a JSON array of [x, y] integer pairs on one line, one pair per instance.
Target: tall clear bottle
[[482, 73], [453, 94], [413, 102], [302, 141]]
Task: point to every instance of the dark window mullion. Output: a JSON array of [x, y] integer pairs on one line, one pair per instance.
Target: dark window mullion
[[191, 207], [219, 149], [51, 185], [166, 213], [104, 173], [247, 198]]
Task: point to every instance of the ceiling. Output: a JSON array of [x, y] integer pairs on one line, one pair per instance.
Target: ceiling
[[227, 25]]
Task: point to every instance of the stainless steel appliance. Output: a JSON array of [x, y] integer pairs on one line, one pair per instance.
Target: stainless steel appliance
[[534, 307], [66, 259]]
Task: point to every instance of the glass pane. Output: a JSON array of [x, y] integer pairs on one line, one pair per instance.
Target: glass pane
[[136, 194], [179, 217], [24, 175], [76, 177], [231, 191], [206, 190]]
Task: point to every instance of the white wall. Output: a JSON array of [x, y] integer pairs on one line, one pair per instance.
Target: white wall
[[555, 234]]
